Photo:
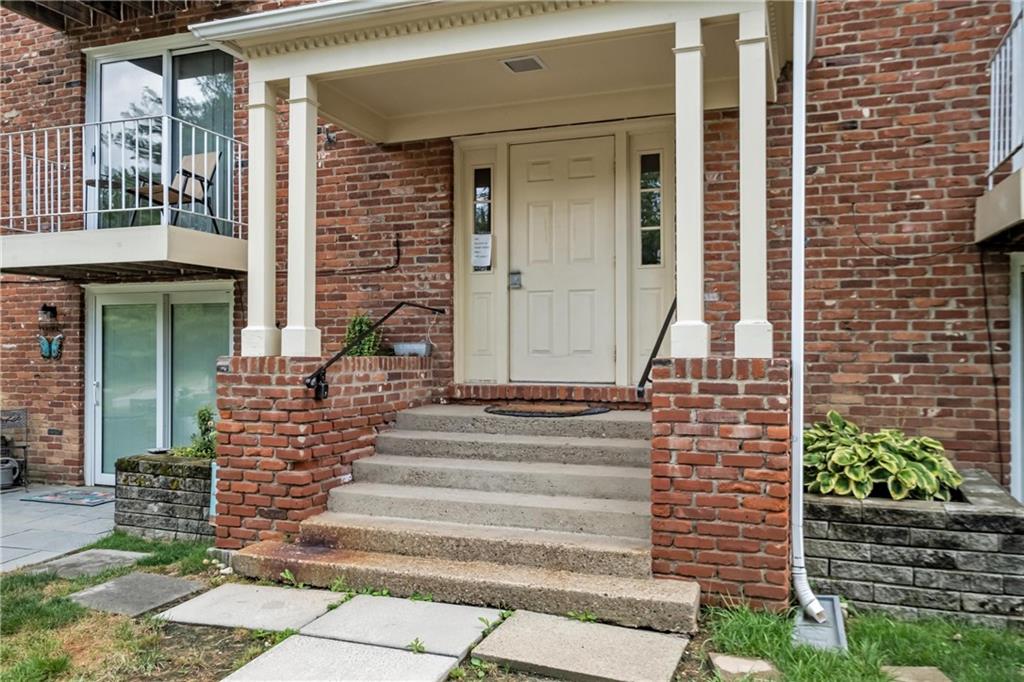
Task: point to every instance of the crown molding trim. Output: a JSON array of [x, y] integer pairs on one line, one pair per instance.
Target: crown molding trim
[[417, 26]]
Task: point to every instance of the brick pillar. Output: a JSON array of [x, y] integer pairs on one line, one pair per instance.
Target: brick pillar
[[720, 477], [279, 451]]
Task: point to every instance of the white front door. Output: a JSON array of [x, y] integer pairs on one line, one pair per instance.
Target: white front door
[[562, 245], [154, 366]]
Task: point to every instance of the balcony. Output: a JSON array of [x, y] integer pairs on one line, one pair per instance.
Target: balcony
[[1002, 205], [147, 196]]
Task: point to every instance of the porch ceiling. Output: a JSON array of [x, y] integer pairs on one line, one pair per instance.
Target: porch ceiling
[[606, 77], [132, 252]]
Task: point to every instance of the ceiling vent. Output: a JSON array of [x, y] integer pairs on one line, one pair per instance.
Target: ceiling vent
[[523, 64]]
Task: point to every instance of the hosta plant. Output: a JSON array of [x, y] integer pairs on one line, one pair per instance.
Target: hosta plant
[[840, 459]]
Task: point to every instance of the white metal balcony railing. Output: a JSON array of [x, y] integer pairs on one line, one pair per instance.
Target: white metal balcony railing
[[118, 174], [1006, 129]]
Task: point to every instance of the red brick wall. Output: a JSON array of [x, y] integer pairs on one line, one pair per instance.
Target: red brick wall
[[280, 452], [897, 149], [720, 477], [897, 141], [369, 194], [52, 391]]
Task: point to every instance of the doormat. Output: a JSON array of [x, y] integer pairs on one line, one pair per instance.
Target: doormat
[[78, 498], [545, 410]]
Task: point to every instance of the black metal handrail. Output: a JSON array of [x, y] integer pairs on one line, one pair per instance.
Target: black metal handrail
[[318, 379], [646, 376]]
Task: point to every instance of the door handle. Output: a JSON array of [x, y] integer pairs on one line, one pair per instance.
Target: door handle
[[515, 279]]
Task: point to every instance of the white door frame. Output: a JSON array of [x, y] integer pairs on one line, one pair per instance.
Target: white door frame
[[1017, 376], [163, 294], [468, 152]]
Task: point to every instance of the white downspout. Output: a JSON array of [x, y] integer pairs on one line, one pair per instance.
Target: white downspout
[[804, 595]]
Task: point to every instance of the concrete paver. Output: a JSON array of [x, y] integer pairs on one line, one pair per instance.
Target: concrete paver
[[300, 658], [591, 652], [446, 629], [914, 673], [135, 593], [89, 562], [31, 532], [739, 668], [256, 607]]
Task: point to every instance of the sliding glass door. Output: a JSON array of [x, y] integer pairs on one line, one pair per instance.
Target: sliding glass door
[[127, 140], [154, 367]]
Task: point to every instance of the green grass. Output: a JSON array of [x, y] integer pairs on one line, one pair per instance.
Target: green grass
[[187, 555], [24, 604], [965, 653]]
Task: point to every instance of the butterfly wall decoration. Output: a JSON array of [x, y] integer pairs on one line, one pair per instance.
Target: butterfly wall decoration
[[51, 348]]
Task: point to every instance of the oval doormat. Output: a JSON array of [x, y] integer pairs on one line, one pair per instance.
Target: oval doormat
[[526, 409]]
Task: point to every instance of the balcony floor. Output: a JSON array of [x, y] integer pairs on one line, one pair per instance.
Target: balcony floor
[[130, 252]]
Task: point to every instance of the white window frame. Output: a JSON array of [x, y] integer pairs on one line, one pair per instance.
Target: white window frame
[[165, 47], [1017, 376], [170, 292]]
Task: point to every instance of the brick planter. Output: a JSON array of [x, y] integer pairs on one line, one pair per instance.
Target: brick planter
[[279, 451], [163, 497], [916, 558]]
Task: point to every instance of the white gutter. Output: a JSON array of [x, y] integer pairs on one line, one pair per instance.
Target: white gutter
[[801, 40]]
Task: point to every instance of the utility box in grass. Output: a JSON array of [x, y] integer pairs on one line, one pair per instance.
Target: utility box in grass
[[163, 497]]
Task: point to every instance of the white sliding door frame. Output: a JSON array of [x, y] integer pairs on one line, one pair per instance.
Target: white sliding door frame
[[1017, 375], [163, 296]]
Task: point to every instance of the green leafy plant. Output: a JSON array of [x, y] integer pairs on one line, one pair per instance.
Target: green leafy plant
[[418, 596], [288, 578], [582, 616], [358, 326], [204, 443], [840, 459], [478, 668], [416, 646]]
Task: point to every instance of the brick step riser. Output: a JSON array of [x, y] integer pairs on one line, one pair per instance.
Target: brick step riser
[[579, 427], [496, 514], [579, 485], [626, 564], [557, 596], [561, 453]]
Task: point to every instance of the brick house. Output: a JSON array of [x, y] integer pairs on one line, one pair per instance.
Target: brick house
[[550, 175]]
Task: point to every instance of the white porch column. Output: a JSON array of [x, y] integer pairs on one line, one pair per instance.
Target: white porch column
[[690, 337], [301, 337], [261, 336], [753, 331]]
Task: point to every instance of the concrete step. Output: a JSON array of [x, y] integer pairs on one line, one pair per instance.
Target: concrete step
[[473, 419], [627, 518], [538, 478], [667, 605], [579, 552], [629, 452]]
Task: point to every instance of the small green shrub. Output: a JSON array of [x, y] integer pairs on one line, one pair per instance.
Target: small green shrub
[[357, 326], [204, 443], [840, 459]]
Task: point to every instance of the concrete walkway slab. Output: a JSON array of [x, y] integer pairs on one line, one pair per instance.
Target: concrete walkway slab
[[256, 607], [136, 593], [730, 668], [301, 658], [585, 652], [89, 562], [33, 532], [914, 673], [445, 629]]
